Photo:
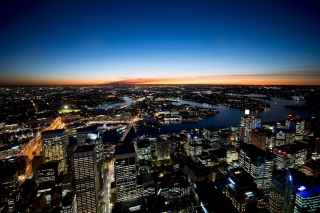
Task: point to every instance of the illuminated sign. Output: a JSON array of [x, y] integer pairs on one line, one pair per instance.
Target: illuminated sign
[[301, 188]]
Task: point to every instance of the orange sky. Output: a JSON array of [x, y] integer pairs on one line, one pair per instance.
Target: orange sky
[[290, 78]]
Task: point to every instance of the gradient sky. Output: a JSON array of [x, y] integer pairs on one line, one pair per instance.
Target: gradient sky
[[159, 41]]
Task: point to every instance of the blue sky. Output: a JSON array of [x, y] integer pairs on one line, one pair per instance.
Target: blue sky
[[85, 42]]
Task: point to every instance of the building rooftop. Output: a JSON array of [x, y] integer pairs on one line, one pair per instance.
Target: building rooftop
[[87, 129], [85, 148], [48, 165], [124, 149], [52, 132], [254, 153], [241, 177]]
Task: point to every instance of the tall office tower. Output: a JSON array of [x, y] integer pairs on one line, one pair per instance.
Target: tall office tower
[[48, 172], [125, 174], [54, 144], [276, 194], [259, 138], [293, 155], [250, 123], [284, 136], [300, 130], [294, 122], [270, 140], [243, 192], [291, 121], [302, 193], [237, 134], [289, 194], [89, 136], [87, 181], [162, 149], [69, 157], [143, 149], [195, 145], [211, 133], [258, 164]]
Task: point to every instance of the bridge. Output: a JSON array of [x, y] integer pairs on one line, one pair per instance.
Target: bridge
[[126, 132]]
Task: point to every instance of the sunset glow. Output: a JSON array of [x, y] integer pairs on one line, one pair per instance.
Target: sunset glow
[[159, 42]]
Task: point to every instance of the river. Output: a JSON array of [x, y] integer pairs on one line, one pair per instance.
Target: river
[[225, 118]]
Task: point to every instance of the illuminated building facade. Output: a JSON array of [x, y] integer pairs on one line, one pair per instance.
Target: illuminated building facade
[[294, 122], [284, 136], [290, 155], [276, 194], [90, 136], [302, 193], [162, 149], [231, 153], [257, 163], [211, 133], [48, 172], [195, 144], [54, 144], [243, 191], [307, 199], [259, 138], [125, 172], [250, 123], [87, 180], [143, 149], [312, 168]]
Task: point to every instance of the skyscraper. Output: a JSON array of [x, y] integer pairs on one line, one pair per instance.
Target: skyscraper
[[258, 164], [54, 144], [87, 181], [126, 175], [250, 123]]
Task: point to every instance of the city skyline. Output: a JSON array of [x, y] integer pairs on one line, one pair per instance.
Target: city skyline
[[153, 42]]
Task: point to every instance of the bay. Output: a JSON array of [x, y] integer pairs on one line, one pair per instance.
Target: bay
[[225, 118]]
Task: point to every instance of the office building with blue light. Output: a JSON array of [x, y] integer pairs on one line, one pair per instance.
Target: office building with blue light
[[243, 191], [302, 193]]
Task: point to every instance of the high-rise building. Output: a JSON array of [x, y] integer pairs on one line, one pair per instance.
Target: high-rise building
[[294, 122], [211, 133], [194, 145], [276, 194], [162, 149], [259, 138], [49, 172], [302, 193], [250, 123], [54, 144], [243, 192], [290, 155], [258, 164], [90, 136], [87, 181], [291, 120], [125, 172]]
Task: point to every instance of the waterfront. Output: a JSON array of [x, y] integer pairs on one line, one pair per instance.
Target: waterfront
[[107, 106], [225, 118]]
